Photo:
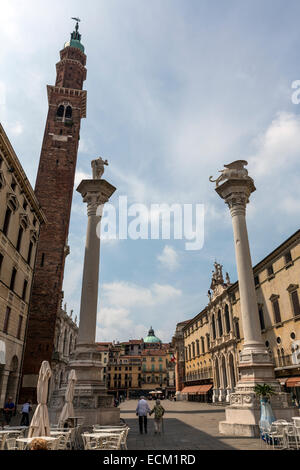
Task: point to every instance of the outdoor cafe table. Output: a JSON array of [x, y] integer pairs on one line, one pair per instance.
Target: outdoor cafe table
[[28, 440]]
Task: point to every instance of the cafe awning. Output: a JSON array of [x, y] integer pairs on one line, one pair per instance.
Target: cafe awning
[[197, 389], [293, 382]]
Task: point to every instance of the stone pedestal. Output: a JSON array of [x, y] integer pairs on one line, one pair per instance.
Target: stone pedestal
[[255, 366], [91, 400]]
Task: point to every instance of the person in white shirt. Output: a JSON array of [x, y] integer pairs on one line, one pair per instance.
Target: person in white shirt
[[26, 408], [141, 411]]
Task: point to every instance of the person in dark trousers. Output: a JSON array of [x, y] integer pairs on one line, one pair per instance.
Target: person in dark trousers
[[26, 408], [141, 411], [9, 408]]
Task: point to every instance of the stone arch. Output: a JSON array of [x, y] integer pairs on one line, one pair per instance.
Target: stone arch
[[60, 111], [69, 112]]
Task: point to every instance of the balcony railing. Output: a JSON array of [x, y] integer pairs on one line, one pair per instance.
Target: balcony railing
[[206, 373], [290, 360]]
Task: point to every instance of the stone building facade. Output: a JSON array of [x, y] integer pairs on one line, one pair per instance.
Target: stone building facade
[[20, 222], [66, 332], [276, 280], [137, 367], [179, 351], [54, 190]]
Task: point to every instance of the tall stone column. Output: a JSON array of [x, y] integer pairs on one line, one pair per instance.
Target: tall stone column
[[91, 400], [255, 366], [95, 193]]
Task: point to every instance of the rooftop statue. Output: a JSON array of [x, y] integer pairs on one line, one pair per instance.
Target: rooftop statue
[[234, 170], [98, 168]]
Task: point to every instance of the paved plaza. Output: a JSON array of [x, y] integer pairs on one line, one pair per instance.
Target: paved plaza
[[187, 426]]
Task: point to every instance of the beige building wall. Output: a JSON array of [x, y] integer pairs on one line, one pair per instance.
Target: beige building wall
[[277, 280], [198, 360], [20, 220]]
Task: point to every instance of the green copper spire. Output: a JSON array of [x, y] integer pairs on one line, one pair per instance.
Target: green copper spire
[[75, 37]]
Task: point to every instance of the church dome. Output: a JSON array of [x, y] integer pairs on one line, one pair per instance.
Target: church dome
[[151, 338]]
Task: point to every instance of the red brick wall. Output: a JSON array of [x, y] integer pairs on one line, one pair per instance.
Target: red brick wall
[[54, 190]]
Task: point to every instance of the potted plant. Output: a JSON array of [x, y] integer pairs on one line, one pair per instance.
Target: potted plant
[[264, 392]]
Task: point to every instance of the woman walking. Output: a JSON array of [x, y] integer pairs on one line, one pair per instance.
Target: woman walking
[[158, 411]]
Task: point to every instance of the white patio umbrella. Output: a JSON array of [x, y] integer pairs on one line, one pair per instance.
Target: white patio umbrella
[[68, 409], [39, 425]]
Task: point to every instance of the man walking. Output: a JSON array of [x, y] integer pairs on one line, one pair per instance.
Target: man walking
[[26, 408], [141, 411], [158, 411]]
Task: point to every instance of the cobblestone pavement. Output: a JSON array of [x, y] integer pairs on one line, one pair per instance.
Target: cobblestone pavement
[[187, 426]]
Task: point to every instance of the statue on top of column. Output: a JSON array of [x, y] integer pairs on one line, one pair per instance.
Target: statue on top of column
[[217, 277], [98, 168], [234, 170]]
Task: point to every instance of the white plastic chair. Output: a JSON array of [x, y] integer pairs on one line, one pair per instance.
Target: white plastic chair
[[276, 433], [113, 442], [11, 443], [2, 445], [89, 444], [290, 438]]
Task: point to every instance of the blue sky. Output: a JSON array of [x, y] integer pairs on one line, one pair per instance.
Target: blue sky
[[176, 89]]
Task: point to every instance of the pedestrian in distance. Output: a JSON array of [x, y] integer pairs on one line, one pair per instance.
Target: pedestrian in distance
[[26, 408], [9, 409], [141, 411], [159, 412]]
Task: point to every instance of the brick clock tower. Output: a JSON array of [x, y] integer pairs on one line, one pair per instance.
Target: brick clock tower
[[54, 190]]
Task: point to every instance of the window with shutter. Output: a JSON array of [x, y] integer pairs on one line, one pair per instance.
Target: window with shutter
[[295, 302], [276, 309], [261, 318]]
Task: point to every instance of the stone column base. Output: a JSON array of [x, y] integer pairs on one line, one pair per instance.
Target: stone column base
[[91, 400], [243, 415]]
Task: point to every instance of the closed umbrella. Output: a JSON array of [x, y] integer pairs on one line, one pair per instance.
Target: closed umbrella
[[68, 409], [39, 425]]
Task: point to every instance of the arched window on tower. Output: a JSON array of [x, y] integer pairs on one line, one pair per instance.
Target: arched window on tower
[[60, 111], [68, 112]]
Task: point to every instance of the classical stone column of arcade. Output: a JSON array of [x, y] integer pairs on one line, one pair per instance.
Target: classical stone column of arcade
[[255, 365], [91, 400]]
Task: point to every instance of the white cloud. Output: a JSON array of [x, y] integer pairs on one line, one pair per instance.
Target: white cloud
[[81, 175], [278, 147], [124, 304], [169, 258]]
